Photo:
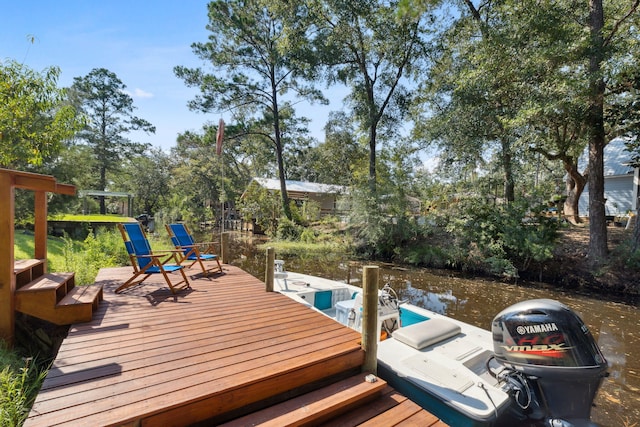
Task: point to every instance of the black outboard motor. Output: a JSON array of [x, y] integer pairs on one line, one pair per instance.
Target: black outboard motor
[[550, 354]]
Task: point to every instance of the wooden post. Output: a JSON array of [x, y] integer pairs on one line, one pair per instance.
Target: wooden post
[[7, 278], [370, 318], [224, 243], [271, 258], [40, 226]]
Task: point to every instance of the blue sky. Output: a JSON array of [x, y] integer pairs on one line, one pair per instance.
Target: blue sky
[[140, 41]]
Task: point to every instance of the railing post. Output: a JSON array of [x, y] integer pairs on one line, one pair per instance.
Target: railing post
[[224, 243], [370, 318], [40, 226], [7, 278], [271, 257]]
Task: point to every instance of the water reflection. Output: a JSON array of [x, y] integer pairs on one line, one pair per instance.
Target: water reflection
[[614, 325]]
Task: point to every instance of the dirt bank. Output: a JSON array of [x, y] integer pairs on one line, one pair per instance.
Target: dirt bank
[[570, 266]]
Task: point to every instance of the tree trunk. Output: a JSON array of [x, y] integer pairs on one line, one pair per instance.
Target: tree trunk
[[575, 184], [372, 158], [636, 232], [103, 187], [507, 167], [597, 222], [286, 209]]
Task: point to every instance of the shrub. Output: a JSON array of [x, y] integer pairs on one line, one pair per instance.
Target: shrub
[[20, 381], [99, 250], [308, 236], [501, 241], [288, 230]]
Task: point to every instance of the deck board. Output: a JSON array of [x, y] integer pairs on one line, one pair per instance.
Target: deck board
[[153, 358]]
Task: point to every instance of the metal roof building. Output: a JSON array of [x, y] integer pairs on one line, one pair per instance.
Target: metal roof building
[[621, 180]]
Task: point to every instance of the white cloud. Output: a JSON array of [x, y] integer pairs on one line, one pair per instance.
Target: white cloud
[[139, 93]]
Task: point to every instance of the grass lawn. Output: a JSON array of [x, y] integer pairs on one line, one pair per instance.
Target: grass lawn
[[24, 242], [90, 218]]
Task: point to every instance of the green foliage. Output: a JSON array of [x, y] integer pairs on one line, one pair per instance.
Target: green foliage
[[33, 118], [305, 212], [99, 250], [381, 225], [308, 236], [499, 237], [626, 256], [288, 229], [86, 218], [329, 251], [147, 177], [366, 48], [261, 205], [427, 255], [20, 381]]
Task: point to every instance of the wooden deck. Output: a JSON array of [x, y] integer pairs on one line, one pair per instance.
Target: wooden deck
[[210, 355]]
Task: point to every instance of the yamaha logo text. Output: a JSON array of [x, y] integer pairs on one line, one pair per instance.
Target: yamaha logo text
[[536, 329]]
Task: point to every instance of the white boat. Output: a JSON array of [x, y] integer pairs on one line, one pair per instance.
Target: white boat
[[536, 366]]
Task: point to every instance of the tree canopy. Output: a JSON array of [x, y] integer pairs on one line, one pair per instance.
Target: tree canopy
[[252, 73], [101, 97], [34, 119]]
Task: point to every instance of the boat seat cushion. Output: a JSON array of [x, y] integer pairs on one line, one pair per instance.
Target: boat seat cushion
[[424, 334]]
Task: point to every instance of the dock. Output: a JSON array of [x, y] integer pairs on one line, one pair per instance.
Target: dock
[[224, 352]]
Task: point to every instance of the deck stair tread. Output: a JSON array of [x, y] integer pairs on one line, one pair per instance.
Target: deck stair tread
[[45, 283], [22, 265], [82, 295], [317, 406]]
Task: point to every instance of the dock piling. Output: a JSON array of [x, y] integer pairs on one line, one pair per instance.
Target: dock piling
[[370, 333], [269, 275]]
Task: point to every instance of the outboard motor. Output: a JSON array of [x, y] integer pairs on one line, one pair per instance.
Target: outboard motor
[[551, 360]]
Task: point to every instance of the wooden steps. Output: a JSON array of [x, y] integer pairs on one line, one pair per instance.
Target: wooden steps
[[352, 402], [53, 296], [317, 407]]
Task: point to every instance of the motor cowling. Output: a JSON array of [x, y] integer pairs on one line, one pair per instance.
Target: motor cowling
[[549, 343]]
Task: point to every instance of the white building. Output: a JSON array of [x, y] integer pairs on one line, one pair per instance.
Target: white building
[[621, 181]]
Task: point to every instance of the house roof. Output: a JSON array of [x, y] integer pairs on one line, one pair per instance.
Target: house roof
[[616, 158], [301, 186]]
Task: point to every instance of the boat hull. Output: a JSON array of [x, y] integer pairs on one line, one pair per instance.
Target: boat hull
[[442, 375], [449, 415]]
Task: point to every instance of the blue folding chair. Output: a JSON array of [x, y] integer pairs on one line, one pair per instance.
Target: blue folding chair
[[192, 251], [145, 262]]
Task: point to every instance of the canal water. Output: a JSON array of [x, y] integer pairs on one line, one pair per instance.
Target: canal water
[[614, 324]]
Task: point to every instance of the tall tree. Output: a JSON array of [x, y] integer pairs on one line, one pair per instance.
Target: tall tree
[[101, 96], [34, 119], [253, 72], [609, 43], [477, 89], [366, 46]]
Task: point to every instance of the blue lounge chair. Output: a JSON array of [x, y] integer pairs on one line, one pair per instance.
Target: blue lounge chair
[[192, 251], [145, 262]]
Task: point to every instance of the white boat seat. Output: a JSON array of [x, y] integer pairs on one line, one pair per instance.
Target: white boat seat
[[424, 334]]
